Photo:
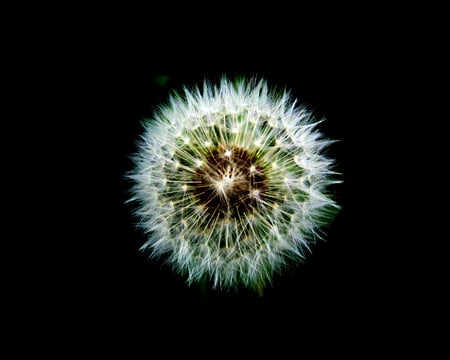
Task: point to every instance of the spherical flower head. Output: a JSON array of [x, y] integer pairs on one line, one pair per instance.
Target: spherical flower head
[[231, 183]]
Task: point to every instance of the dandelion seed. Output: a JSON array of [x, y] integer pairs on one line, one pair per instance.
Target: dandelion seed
[[231, 183]]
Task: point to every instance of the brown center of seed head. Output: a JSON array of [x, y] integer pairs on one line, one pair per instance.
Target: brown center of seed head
[[230, 183]]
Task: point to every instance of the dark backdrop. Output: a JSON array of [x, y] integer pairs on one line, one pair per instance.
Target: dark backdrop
[[350, 280], [344, 270]]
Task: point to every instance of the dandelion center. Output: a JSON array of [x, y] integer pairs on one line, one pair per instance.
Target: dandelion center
[[231, 182]]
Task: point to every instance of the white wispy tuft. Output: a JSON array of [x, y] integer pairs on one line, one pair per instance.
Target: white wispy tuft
[[231, 183]]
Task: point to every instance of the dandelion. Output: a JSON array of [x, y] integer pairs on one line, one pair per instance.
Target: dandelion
[[231, 183]]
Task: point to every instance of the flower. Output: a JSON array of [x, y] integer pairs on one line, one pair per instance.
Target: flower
[[231, 183]]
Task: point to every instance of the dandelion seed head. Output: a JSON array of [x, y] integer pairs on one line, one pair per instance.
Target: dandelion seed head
[[231, 183]]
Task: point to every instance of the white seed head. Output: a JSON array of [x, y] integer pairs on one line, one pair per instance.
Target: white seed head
[[231, 183]]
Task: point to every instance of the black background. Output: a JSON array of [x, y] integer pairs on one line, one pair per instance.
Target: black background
[[85, 79], [350, 284], [346, 270]]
